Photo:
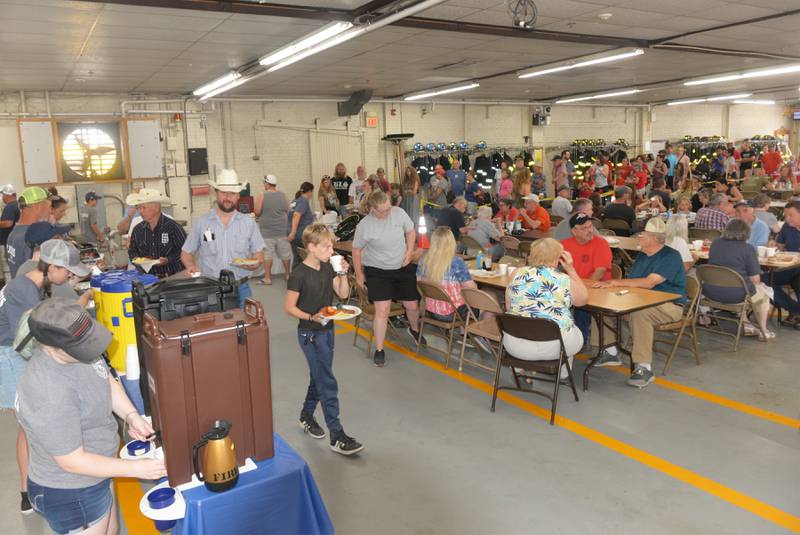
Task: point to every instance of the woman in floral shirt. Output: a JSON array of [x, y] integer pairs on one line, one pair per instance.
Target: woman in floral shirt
[[440, 264], [542, 291]]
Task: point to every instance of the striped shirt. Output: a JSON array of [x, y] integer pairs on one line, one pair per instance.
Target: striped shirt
[[219, 245], [164, 241]]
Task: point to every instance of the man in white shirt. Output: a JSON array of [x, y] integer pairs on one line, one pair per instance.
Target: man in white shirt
[[356, 193], [562, 207]]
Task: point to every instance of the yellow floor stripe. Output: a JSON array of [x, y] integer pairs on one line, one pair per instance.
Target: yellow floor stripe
[[762, 509], [129, 492], [770, 416]]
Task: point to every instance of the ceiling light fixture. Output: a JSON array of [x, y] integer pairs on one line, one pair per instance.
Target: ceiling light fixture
[[438, 92], [219, 82], [575, 64], [328, 31], [755, 101], [227, 87], [772, 71], [737, 96], [601, 95]]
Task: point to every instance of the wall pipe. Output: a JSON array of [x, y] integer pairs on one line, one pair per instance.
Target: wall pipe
[[47, 103], [447, 102], [22, 102]]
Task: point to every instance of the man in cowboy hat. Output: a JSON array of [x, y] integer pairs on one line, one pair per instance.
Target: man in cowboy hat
[[223, 235], [156, 236]]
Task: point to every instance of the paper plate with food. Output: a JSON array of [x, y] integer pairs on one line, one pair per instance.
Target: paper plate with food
[[342, 312], [245, 262], [146, 263]]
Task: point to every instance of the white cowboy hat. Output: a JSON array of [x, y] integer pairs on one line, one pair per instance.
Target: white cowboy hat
[[227, 180], [146, 195]]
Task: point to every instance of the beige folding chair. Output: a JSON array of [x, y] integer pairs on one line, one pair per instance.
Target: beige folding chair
[[510, 244], [368, 313], [619, 226], [555, 220], [616, 271], [704, 234], [471, 244], [433, 290], [485, 328], [687, 326], [724, 277], [535, 330], [525, 250], [606, 232]]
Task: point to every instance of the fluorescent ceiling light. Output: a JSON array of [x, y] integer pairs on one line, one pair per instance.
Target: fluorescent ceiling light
[[752, 101], [729, 97], [326, 32], [443, 91], [227, 87], [758, 73], [310, 51], [601, 95], [219, 82], [738, 96], [578, 64]]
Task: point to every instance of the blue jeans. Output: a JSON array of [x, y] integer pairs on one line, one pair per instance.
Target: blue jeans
[[317, 346], [244, 292], [583, 320], [71, 510], [782, 298], [12, 365]]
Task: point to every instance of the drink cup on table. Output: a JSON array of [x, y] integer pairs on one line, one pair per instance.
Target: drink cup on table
[[762, 251], [698, 244], [771, 251], [502, 268], [487, 263]]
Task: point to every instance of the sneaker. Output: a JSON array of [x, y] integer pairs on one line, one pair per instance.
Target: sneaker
[[310, 425], [380, 358], [483, 344], [415, 335], [607, 359], [25, 504], [341, 443], [641, 377], [399, 322]]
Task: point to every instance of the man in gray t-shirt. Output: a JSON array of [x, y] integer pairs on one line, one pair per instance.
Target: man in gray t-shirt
[[90, 230], [273, 211], [17, 250]]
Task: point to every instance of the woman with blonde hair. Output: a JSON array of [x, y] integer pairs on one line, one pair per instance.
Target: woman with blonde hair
[[522, 183], [409, 189], [441, 265], [328, 199], [540, 290]]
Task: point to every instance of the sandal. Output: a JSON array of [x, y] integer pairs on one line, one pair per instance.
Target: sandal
[[266, 282], [751, 330], [766, 336]]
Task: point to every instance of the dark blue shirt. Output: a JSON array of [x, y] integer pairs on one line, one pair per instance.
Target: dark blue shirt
[[667, 263], [10, 213], [458, 180], [789, 237], [469, 193]]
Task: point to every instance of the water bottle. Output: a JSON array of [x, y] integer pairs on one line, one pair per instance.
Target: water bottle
[[479, 260]]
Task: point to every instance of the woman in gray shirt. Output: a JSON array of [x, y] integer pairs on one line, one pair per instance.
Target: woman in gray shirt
[[272, 209], [382, 251], [484, 230]]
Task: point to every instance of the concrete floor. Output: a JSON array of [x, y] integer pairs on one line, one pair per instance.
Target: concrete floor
[[625, 461]]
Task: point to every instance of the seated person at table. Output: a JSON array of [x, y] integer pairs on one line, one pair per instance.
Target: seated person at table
[[788, 239], [658, 267], [700, 199], [591, 256], [761, 204], [759, 231], [562, 207], [731, 250], [562, 231], [506, 213], [654, 202], [660, 189], [678, 239], [684, 206], [542, 291], [534, 216], [715, 215], [733, 193], [452, 217], [620, 209], [441, 264], [483, 230]]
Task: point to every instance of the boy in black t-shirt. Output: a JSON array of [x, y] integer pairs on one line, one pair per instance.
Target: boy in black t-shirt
[[309, 290]]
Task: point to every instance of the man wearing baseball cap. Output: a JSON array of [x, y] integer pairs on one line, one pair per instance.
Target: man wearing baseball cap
[[534, 216], [8, 219], [223, 235], [34, 204], [562, 207], [272, 209], [658, 268], [90, 230], [156, 236]]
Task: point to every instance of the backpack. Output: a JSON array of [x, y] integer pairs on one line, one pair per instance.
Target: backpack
[[24, 344], [347, 228]]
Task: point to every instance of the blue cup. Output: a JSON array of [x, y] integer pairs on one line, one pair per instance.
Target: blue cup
[[137, 448], [161, 499]]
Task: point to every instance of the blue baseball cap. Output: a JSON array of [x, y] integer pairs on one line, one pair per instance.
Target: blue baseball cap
[[40, 232]]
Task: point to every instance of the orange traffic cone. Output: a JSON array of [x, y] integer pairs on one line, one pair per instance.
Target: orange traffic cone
[[422, 234]]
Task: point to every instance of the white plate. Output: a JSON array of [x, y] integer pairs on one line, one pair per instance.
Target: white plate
[[483, 273], [354, 311], [611, 240]]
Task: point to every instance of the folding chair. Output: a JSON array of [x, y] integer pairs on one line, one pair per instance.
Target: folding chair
[[470, 244], [724, 277], [619, 226], [510, 244], [368, 313], [555, 220], [687, 325], [535, 330], [606, 232], [704, 234], [616, 271], [432, 290], [525, 250], [485, 328]]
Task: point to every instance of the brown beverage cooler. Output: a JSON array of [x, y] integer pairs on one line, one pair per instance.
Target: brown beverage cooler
[[204, 368]]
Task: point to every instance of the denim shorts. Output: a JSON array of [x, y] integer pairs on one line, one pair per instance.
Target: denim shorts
[[11, 367], [71, 510]]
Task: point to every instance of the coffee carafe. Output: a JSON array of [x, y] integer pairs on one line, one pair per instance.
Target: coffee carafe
[[219, 469]]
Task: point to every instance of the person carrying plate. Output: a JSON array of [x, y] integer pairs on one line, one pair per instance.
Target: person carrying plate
[[223, 235], [157, 236]]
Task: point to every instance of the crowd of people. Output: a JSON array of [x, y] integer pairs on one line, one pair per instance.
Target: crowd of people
[[67, 442]]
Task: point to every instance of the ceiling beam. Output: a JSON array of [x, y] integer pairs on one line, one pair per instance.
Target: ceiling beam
[[509, 31], [371, 7], [247, 8], [728, 26]]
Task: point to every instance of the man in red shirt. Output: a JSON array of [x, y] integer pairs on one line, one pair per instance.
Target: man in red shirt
[[591, 257], [771, 160], [534, 216]]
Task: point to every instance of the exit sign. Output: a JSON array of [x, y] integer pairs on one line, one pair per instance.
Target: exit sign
[[371, 120]]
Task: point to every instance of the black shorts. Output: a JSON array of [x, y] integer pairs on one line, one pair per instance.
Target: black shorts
[[387, 284]]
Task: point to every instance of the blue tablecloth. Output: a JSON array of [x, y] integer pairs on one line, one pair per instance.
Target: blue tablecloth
[[280, 497]]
